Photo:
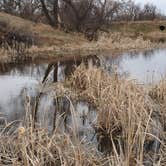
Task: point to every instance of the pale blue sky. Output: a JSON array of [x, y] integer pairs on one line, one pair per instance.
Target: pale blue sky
[[161, 4]]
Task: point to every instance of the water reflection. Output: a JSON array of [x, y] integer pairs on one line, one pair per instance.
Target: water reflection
[[22, 80], [18, 79], [145, 67], [11, 90], [76, 118]]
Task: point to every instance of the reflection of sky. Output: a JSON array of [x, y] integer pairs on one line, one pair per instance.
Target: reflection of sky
[[140, 66], [11, 95], [12, 101], [19, 78], [11, 86], [161, 4], [143, 68]]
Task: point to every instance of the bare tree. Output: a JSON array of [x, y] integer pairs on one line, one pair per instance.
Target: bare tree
[[9, 6], [111, 10], [129, 11], [29, 9], [77, 12], [50, 9], [149, 12], [80, 15]]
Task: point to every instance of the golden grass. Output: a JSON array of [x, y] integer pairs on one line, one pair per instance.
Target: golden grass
[[128, 118], [48, 36], [138, 26], [130, 123], [113, 43], [54, 43], [129, 127], [22, 144], [39, 148]]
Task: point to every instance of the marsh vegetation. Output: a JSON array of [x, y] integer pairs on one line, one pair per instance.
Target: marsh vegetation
[[82, 112], [82, 83]]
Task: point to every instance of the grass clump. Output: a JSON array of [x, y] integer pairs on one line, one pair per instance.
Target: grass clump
[[22, 144], [128, 129], [128, 124]]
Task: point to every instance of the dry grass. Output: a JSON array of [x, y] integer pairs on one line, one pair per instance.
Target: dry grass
[[54, 43], [114, 43], [23, 144], [129, 126], [158, 94], [149, 30], [128, 119], [48, 36], [40, 148]]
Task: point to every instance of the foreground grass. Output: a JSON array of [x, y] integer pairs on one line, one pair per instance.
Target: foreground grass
[[130, 125]]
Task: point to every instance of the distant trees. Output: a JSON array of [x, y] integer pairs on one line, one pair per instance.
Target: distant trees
[[149, 12], [79, 15], [75, 14], [50, 9], [25, 8], [84, 14], [131, 11], [9, 6]]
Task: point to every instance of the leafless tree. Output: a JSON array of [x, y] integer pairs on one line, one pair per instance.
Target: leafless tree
[[50, 9], [9, 6], [80, 15], [76, 13], [129, 11], [29, 9], [149, 12]]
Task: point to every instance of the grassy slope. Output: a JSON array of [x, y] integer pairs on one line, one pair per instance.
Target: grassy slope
[[47, 34], [55, 43], [149, 29], [52, 42], [138, 26], [52, 36]]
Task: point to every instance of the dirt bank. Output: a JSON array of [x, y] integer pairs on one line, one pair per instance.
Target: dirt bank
[[52, 44]]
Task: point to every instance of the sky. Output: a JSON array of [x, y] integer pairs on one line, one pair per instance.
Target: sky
[[161, 4]]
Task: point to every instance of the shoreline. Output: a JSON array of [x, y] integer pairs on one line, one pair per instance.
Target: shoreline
[[54, 55]]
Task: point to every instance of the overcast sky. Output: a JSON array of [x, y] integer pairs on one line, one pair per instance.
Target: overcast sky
[[161, 4]]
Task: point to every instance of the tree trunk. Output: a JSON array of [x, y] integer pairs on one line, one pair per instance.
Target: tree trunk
[[55, 11], [46, 12]]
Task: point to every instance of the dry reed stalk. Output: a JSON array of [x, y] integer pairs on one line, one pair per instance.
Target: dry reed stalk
[[128, 127], [129, 122]]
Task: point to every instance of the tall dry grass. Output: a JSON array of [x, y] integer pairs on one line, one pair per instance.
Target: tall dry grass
[[23, 144], [129, 126]]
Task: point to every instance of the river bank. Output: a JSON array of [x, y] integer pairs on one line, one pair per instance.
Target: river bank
[[52, 44]]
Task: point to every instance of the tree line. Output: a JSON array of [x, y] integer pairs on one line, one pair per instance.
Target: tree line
[[80, 15]]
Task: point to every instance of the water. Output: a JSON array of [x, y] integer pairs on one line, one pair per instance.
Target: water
[[13, 85], [21, 80], [145, 67]]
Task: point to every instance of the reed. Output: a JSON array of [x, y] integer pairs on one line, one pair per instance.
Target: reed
[[129, 129], [130, 123]]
